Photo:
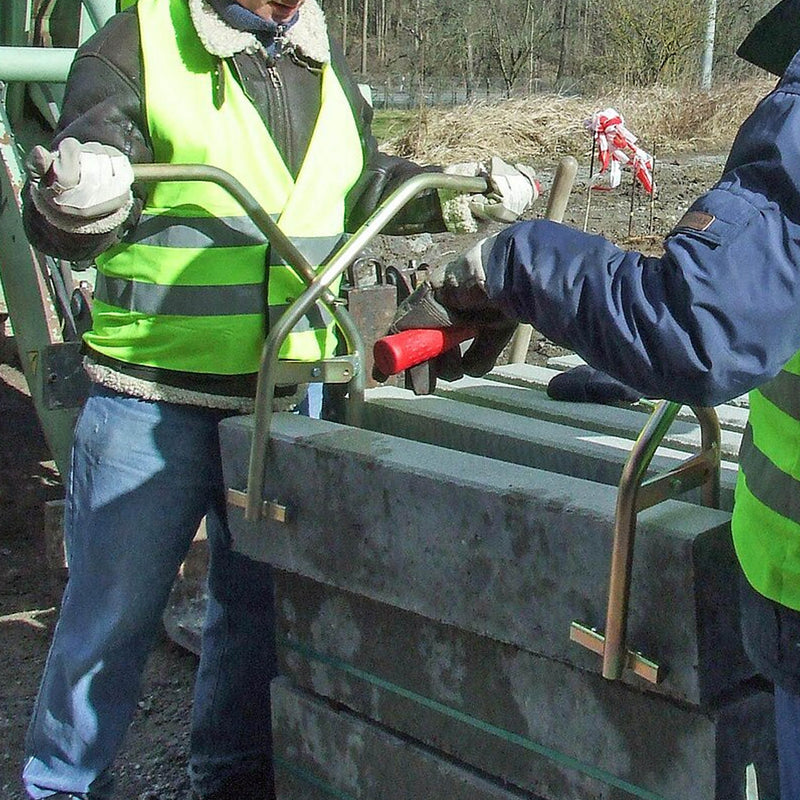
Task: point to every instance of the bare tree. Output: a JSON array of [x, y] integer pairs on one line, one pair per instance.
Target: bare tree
[[364, 27], [345, 15], [562, 50], [646, 47], [616, 41], [708, 49], [516, 33]]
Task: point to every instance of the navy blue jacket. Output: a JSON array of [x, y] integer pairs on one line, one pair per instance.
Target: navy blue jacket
[[718, 314]]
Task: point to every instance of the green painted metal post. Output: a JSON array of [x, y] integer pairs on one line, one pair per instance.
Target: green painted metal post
[[27, 296], [35, 63]]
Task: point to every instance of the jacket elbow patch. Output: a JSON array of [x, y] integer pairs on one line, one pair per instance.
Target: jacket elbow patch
[[695, 221]]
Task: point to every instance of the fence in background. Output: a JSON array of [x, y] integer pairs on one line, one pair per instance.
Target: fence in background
[[404, 92]]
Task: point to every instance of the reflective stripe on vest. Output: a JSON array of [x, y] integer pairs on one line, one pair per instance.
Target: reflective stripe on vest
[[766, 515], [200, 301], [186, 289]]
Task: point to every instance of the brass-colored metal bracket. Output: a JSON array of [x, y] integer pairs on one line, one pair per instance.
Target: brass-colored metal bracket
[[593, 640], [337, 369], [269, 508]]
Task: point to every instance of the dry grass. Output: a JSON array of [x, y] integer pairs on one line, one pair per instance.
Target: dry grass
[[547, 126]]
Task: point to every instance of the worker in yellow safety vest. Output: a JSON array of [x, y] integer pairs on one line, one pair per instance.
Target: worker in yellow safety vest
[[187, 289]]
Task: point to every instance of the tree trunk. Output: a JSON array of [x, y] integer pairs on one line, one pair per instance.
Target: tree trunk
[[345, 13], [381, 33], [562, 54], [708, 52], [364, 36]]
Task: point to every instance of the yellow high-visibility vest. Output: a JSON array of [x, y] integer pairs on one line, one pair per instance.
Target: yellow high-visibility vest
[[187, 289], [766, 514]]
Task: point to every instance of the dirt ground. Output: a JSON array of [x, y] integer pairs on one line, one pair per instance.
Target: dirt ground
[[152, 766]]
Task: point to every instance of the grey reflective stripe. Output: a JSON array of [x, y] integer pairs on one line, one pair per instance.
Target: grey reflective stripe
[[317, 318], [783, 391], [199, 233], [316, 249], [768, 484], [195, 233], [186, 301]]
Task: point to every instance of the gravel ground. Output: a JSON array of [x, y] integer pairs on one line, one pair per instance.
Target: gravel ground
[[152, 766]]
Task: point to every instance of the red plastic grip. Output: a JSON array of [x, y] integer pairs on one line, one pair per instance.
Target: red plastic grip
[[399, 351]]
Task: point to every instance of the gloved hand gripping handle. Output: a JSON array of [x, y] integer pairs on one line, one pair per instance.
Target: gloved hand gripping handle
[[401, 351], [407, 348]]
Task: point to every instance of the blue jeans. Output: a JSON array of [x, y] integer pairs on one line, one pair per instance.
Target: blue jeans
[[787, 724], [143, 476]]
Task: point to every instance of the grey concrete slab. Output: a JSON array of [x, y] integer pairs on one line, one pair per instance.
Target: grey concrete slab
[[324, 752], [623, 421], [538, 724], [566, 449], [502, 550]]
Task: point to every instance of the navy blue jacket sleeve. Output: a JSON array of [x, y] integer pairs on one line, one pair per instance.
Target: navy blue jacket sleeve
[[717, 314]]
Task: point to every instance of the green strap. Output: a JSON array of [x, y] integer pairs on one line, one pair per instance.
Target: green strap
[[493, 730]]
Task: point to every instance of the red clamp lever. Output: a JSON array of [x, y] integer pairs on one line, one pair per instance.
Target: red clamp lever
[[400, 351]]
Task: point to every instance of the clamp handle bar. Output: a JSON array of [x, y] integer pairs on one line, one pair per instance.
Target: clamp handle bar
[[318, 285], [283, 245], [317, 288], [636, 494]]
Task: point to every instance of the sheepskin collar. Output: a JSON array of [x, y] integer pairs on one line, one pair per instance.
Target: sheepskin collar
[[309, 35]]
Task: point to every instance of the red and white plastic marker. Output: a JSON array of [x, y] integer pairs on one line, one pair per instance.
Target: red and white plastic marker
[[401, 351], [617, 148]]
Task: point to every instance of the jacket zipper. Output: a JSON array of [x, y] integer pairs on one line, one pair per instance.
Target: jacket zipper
[[281, 115], [276, 117]]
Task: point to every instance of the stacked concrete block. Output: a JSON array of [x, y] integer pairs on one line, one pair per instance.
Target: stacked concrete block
[[429, 591], [543, 726], [326, 751], [507, 423]]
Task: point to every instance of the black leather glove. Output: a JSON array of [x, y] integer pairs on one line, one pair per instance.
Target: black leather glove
[[585, 384], [455, 295]]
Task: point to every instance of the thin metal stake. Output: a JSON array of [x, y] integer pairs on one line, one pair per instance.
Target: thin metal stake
[[653, 192], [630, 210], [589, 186]]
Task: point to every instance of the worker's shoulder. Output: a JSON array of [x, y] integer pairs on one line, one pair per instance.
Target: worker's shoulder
[[790, 80], [117, 42]]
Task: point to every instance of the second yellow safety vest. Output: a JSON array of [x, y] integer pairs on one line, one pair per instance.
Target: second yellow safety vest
[[766, 513]]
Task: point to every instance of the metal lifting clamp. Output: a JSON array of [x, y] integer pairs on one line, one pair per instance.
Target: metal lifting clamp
[[634, 495]]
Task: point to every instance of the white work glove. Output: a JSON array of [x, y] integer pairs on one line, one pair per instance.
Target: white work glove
[[512, 191], [84, 188]]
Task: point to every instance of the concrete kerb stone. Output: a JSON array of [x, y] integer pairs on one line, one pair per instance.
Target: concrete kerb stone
[[517, 438], [732, 415], [540, 725], [501, 550], [323, 752], [623, 421]]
